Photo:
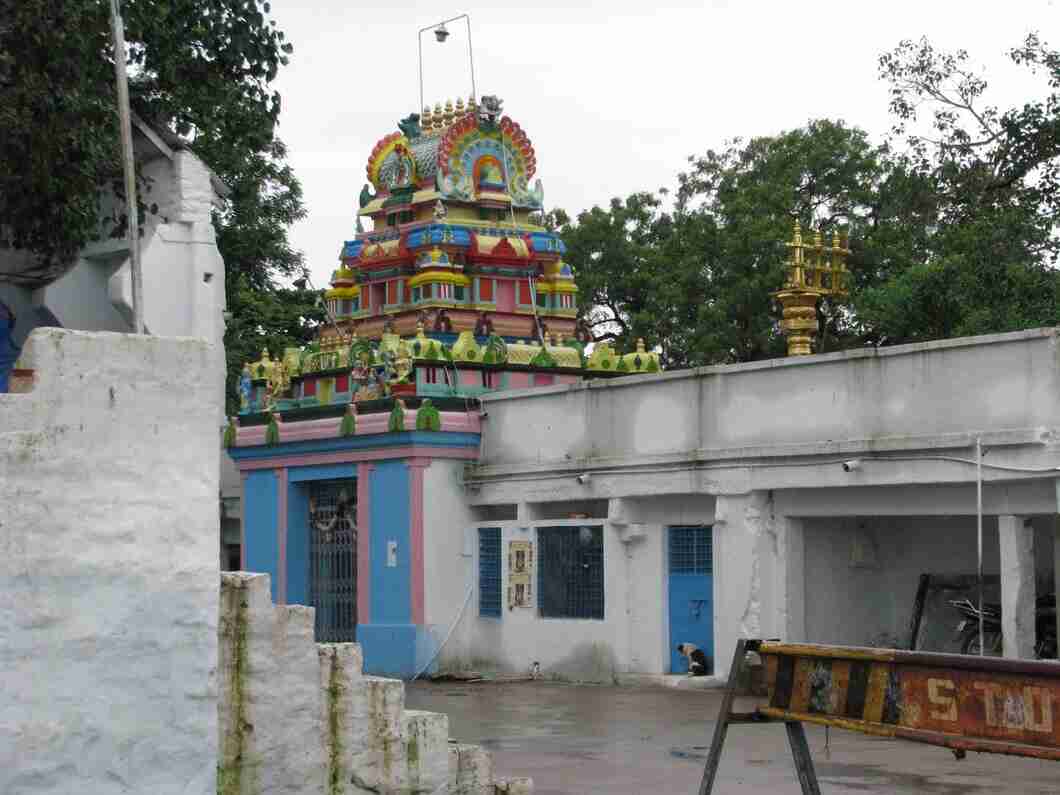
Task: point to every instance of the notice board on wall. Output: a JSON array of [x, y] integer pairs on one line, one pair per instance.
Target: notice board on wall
[[520, 571]]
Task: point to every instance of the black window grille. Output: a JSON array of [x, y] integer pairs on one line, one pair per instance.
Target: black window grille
[[489, 572], [570, 572], [333, 559], [691, 550]]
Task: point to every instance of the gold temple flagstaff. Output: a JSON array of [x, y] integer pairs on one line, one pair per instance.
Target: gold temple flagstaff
[[815, 270]]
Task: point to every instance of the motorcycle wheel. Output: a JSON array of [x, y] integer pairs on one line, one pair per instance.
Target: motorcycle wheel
[[992, 637]]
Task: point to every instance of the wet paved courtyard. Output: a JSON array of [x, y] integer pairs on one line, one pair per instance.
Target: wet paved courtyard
[[630, 741]]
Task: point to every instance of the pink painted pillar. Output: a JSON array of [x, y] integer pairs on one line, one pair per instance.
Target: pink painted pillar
[[242, 521], [364, 544], [416, 467], [281, 535]]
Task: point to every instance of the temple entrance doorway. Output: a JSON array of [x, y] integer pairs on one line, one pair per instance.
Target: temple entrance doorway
[[333, 559]]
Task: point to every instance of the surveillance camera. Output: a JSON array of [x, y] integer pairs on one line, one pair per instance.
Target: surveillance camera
[[852, 464], [583, 478]]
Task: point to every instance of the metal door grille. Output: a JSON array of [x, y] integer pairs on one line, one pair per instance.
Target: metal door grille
[[691, 550], [333, 559]]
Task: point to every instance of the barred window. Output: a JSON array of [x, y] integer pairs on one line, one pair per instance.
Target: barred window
[[691, 550], [489, 572], [570, 572]]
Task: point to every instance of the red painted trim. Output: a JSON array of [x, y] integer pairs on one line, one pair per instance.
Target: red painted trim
[[242, 521], [364, 546], [308, 430], [281, 535], [416, 556], [348, 456]]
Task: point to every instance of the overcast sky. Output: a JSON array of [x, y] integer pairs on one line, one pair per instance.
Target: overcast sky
[[613, 96]]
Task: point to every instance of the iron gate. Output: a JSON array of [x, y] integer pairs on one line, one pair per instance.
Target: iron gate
[[333, 559]]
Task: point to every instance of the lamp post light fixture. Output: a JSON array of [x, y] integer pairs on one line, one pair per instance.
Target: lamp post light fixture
[[815, 271], [441, 33]]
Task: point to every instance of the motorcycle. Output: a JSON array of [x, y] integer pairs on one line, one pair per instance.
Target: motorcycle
[[993, 642]]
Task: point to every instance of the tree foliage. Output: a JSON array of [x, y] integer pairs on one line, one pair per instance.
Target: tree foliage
[[952, 224]]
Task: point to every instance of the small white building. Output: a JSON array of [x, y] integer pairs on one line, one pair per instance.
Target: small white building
[[604, 522], [183, 273]]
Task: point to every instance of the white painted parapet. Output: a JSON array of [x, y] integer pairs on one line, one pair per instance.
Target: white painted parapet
[[108, 568], [300, 717]]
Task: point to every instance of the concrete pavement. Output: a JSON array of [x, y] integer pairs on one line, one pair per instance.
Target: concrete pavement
[[584, 740]]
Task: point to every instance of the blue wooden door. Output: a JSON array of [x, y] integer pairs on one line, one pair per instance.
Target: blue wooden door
[[691, 592]]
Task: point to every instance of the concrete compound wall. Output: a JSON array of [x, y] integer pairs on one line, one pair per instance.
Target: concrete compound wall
[[300, 717], [1005, 381], [108, 568]]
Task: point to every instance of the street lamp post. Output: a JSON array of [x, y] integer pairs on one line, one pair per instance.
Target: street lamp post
[[441, 33]]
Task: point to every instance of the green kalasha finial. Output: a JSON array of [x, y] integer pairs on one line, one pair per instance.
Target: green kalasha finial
[[543, 358], [230, 433], [427, 417], [397, 416], [272, 431], [348, 426]]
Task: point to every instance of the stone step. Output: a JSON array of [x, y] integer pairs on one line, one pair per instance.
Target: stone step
[[426, 739], [470, 770], [301, 718]]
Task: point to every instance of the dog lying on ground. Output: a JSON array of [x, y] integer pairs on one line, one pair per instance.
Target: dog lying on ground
[[698, 664]]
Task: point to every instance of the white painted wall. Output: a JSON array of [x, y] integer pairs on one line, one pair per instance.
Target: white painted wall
[[872, 401], [108, 568], [632, 637], [183, 273], [871, 567], [449, 559]]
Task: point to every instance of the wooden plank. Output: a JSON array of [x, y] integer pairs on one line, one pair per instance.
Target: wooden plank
[[721, 727], [984, 704], [800, 752]]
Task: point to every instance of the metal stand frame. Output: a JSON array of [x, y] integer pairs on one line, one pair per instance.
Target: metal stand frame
[[800, 749]]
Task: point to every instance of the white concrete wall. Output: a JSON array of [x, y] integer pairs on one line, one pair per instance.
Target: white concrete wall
[[183, 273], [449, 559], [633, 636], [890, 399], [108, 568], [871, 567]]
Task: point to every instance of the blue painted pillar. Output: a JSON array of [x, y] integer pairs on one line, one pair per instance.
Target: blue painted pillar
[[389, 639], [298, 544], [261, 506]]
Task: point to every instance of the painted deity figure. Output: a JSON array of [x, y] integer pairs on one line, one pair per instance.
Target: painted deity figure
[[491, 174], [244, 388]]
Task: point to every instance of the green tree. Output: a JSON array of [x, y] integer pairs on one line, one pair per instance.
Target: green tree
[[991, 246], [614, 255], [696, 279]]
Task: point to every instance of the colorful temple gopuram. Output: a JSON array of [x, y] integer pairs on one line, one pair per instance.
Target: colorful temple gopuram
[[455, 290]]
